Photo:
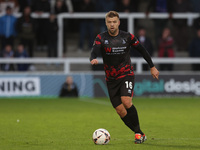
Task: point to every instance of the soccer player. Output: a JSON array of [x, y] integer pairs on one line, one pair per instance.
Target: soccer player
[[114, 46]]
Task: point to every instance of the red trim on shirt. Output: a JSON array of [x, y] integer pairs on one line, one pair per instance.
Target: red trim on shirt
[[132, 36], [97, 42], [136, 43], [99, 36]]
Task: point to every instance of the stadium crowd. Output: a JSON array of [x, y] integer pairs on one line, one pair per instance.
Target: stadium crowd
[[24, 36]]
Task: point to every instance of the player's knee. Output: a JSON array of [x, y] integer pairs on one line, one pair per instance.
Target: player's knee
[[121, 111], [127, 105], [127, 102]]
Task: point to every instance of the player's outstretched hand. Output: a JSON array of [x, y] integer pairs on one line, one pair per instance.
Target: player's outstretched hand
[[94, 62], [155, 73]]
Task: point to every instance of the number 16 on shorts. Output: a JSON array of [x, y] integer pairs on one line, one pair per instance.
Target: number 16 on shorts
[[129, 86]]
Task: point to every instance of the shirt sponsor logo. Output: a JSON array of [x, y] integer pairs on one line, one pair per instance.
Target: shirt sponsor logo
[[108, 50], [115, 50], [106, 42]]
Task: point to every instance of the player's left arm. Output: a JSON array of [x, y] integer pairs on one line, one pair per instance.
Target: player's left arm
[[140, 48], [154, 73]]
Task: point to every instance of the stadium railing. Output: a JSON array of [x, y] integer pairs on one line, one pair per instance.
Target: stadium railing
[[129, 16], [68, 62]]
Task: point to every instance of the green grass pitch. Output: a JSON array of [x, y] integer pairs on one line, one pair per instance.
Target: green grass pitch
[[68, 124]]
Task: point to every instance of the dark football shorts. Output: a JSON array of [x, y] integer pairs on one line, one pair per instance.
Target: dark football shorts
[[120, 87]]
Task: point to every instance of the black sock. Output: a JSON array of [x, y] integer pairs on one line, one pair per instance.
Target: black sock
[[132, 114], [128, 122]]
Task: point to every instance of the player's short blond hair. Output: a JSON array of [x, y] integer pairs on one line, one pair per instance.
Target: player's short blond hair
[[112, 14]]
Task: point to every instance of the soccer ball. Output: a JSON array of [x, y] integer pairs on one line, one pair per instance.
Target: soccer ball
[[101, 136]]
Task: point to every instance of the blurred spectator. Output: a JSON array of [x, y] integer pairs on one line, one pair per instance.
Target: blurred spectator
[[196, 23], [194, 50], [158, 6], [180, 25], [146, 42], [40, 7], [13, 4], [21, 53], [104, 6], [126, 6], [161, 6], [195, 5], [62, 6], [26, 28], [23, 4], [52, 29], [8, 53], [165, 48], [69, 88], [7, 28], [86, 25]]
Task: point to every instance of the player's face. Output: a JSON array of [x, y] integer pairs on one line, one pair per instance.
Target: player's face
[[113, 25]]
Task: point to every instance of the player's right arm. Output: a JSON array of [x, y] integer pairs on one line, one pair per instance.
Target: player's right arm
[[95, 52], [94, 62]]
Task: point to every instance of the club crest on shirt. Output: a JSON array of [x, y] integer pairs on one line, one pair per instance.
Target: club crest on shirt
[[123, 41], [106, 42]]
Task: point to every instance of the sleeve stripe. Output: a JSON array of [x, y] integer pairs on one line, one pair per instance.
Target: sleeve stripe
[[99, 36], [132, 36], [97, 42]]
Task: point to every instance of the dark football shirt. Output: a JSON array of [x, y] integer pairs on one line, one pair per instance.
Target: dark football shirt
[[115, 51]]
